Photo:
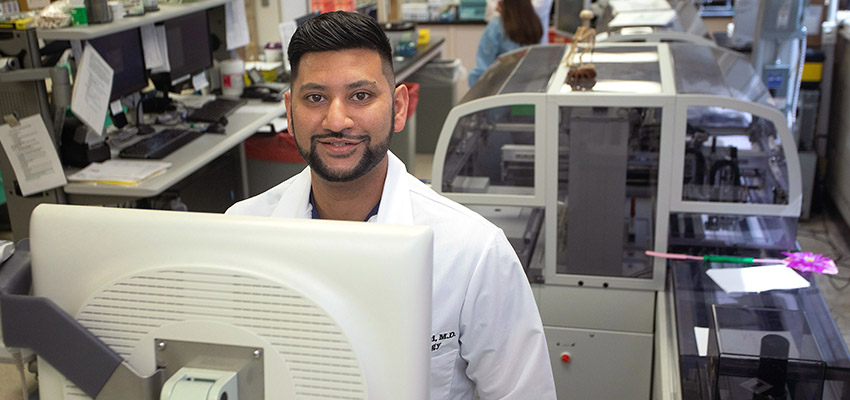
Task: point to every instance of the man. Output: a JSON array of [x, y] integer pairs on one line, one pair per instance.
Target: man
[[342, 109]]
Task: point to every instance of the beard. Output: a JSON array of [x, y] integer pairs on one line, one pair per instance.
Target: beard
[[372, 155]]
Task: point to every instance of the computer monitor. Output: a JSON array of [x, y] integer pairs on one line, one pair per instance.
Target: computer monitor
[[123, 52], [217, 22], [341, 309], [188, 40]]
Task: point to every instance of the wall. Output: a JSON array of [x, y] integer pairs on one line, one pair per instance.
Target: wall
[[270, 13]]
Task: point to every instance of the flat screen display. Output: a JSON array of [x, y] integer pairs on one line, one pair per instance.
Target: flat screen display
[[123, 52], [188, 39]]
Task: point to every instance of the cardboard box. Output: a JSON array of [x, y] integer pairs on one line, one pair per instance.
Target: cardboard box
[[29, 5]]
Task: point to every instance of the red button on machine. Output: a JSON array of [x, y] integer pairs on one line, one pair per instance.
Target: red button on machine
[[565, 357]]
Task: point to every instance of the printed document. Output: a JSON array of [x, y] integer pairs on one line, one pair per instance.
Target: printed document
[[236, 24], [152, 49], [92, 87], [32, 155]]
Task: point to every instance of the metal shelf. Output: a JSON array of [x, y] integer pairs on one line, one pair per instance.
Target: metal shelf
[[166, 11]]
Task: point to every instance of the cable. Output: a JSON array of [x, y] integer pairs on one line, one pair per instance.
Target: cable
[[19, 363], [139, 111], [833, 278]]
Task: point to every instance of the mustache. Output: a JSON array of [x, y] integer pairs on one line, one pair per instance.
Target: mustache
[[337, 135]]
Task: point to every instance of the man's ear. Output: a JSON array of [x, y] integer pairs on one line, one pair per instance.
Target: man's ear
[[400, 101], [287, 102]]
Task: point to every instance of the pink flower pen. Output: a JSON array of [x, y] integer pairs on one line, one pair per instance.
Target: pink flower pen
[[801, 261]]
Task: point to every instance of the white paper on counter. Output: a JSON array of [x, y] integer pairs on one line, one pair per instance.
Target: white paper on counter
[[236, 24], [193, 100], [757, 279], [126, 172], [92, 87], [280, 124], [257, 108], [32, 155]]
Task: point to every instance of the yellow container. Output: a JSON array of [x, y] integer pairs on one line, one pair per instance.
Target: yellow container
[[424, 37], [268, 69], [812, 71]]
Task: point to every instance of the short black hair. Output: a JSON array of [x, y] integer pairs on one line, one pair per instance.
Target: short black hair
[[340, 30]]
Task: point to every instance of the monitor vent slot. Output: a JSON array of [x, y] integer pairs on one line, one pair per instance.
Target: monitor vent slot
[[321, 361]]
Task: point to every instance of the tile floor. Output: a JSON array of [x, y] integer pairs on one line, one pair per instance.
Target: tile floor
[[824, 232]]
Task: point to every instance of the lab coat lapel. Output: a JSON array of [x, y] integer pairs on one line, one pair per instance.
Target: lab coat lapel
[[395, 200], [295, 201]]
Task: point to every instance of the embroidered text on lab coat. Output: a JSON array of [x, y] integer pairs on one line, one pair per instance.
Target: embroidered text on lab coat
[[437, 340]]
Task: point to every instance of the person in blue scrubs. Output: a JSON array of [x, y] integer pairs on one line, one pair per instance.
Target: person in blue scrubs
[[516, 26]]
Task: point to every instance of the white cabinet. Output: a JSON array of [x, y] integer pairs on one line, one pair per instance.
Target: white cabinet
[[600, 364]]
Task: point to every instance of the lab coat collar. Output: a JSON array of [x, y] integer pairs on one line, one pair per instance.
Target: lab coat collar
[[395, 199], [295, 202]]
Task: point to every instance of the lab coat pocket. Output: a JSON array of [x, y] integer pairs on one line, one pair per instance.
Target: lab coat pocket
[[442, 371]]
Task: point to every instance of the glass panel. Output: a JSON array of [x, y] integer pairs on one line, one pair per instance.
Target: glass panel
[[690, 18], [526, 70], [494, 78], [492, 151], [533, 74], [607, 187], [713, 70], [762, 354], [694, 294], [731, 233], [734, 157]]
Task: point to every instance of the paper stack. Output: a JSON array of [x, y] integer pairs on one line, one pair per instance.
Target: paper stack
[[119, 172]]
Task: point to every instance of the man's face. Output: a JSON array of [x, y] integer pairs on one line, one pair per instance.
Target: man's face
[[342, 112]]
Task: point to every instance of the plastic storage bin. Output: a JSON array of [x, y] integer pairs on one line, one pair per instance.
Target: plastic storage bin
[[271, 160], [403, 143]]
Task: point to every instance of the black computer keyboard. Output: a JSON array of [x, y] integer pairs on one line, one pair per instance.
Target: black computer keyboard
[[213, 111], [160, 144]]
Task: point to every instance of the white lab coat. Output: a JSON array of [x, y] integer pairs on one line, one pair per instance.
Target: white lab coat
[[486, 330]]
